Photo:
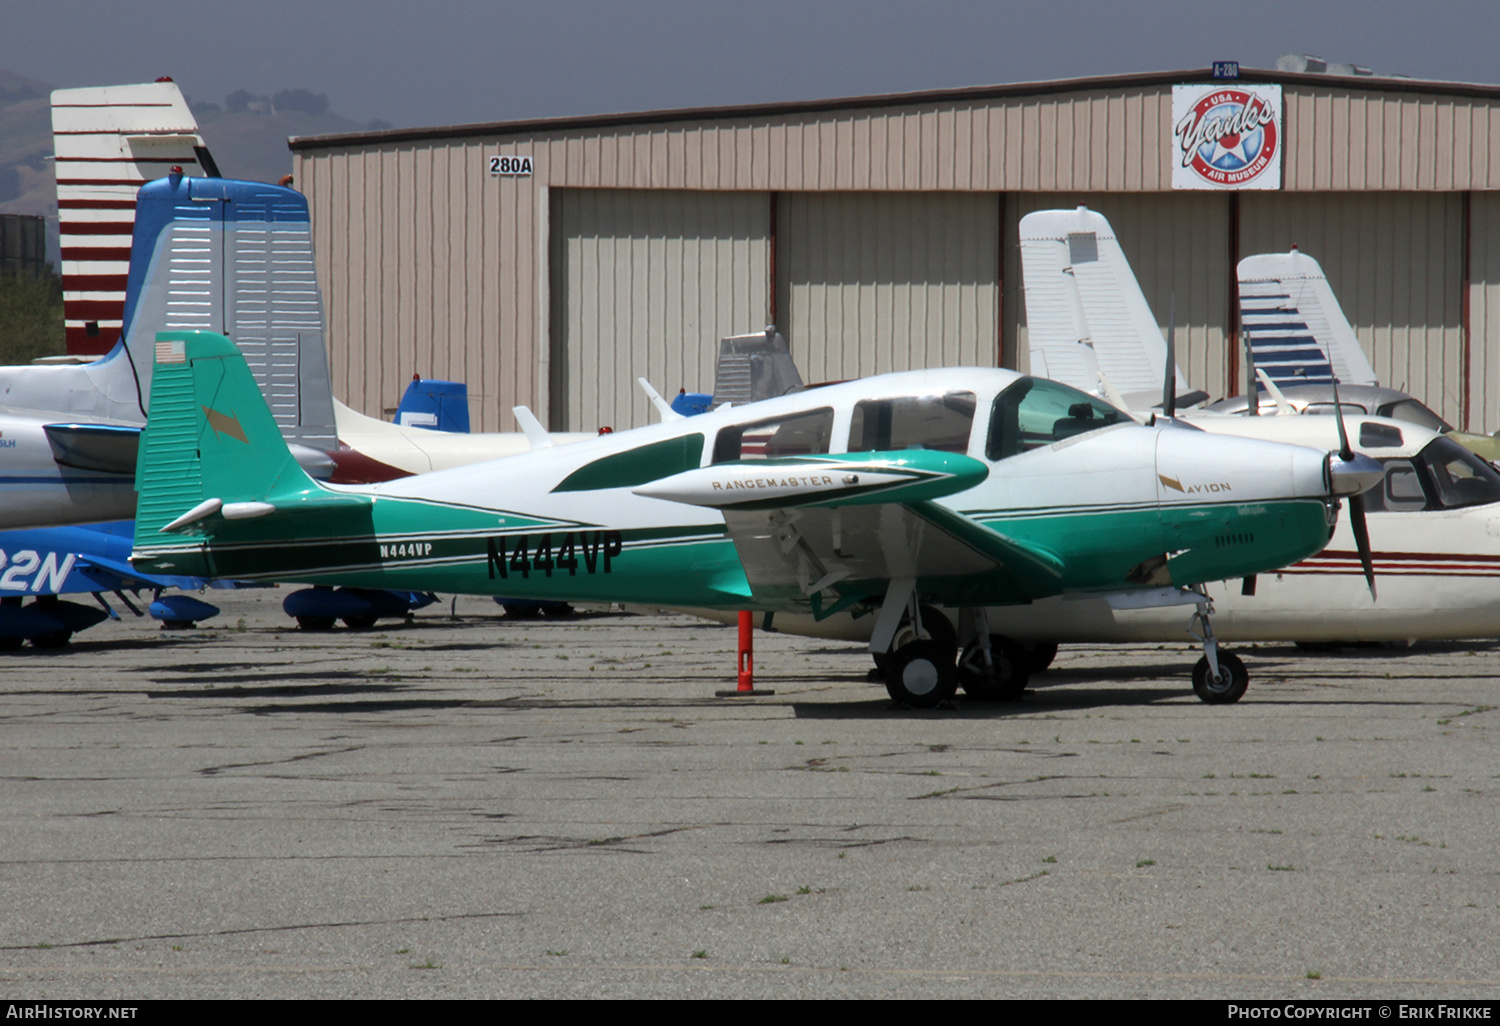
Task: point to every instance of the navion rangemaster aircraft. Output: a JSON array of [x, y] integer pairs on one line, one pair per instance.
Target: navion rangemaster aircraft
[[970, 488]]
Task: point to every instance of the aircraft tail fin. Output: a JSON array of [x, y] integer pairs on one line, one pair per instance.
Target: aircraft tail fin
[[109, 141], [1298, 332], [211, 453], [1085, 311]]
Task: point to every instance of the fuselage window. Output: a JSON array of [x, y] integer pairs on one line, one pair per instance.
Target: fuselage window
[[797, 434], [1035, 412], [913, 422], [1400, 492]]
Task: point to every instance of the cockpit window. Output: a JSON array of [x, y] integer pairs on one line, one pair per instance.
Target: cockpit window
[[798, 434], [1461, 477], [1035, 412], [1444, 475], [941, 422], [1414, 412]]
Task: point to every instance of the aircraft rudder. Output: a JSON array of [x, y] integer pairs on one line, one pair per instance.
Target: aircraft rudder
[[209, 435]]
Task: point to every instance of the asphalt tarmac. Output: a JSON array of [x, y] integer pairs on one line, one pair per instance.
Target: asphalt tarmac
[[481, 807]]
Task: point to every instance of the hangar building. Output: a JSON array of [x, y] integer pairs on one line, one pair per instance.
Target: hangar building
[[551, 262]]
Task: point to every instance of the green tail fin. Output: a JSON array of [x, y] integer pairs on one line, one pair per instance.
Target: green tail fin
[[209, 436]]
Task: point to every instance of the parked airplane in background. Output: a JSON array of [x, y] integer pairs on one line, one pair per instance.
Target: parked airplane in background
[[1430, 522], [975, 487], [1086, 315]]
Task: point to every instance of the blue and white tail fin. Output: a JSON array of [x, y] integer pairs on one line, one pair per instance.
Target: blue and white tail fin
[[1085, 312], [1298, 332]]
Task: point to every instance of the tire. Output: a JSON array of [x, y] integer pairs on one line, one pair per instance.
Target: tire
[[177, 625], [520, 612], [11, 644], [561, 611], [938, 628], [360, 623], [316, 623], [1228, 687], [1040, 656], [922, 675], [1003, 680], [57, 639]]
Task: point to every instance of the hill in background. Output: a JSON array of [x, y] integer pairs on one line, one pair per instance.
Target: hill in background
[[246, 133]]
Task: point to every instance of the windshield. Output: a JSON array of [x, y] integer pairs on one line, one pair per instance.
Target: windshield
[[1035, 412], [1414, 412], [1460, 477]]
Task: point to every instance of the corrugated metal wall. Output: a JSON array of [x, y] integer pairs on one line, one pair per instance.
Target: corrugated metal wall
[[645, 283], [1395, 262], [1484, 312], [870, 282], [431, 265]]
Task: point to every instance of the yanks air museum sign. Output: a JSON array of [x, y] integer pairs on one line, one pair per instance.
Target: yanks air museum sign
[[1226, 136]]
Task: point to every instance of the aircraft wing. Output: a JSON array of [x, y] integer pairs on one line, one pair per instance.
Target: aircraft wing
[[844, 525]]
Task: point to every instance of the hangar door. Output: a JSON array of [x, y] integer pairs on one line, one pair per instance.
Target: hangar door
[[645, 283], [870, 282]]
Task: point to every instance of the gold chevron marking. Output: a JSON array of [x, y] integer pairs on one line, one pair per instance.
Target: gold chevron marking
[[1176, 485], [225, 425]]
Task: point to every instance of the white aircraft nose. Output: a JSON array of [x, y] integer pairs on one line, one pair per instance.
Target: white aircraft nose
[[1237, 469]]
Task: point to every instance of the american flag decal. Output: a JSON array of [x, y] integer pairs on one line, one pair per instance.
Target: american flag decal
[[170, 352]]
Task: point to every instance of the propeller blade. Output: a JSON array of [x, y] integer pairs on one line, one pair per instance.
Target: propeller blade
[[1345, 452], [1362, 539], [1169, 390]]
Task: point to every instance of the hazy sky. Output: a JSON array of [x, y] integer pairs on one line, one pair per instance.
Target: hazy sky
[[456, 61]]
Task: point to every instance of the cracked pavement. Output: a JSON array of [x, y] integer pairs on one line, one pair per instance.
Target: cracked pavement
[[484, 807]]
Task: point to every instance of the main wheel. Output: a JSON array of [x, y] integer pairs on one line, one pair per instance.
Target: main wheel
[[559, 611], [1003, 679], [1228, 686], [360, 623], [316, 623], [57, 639], [938, 627], [921, 674]]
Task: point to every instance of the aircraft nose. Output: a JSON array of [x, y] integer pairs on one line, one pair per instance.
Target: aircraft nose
[[1353, 476], [1249, 469]]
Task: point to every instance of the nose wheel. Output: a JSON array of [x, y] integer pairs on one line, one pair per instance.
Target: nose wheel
[[1220, 678], [1226, 685]]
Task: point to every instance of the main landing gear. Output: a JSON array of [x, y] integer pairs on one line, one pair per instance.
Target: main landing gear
[[914, 647]]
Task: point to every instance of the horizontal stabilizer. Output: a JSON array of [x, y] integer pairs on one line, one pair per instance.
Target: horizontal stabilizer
[[110, 448]]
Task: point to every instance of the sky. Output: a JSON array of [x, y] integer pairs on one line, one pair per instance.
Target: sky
[[444, 62]]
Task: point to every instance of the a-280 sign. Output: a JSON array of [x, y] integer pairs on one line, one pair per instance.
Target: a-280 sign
[[515, 166]]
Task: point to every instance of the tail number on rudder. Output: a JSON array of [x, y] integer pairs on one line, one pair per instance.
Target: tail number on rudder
[[594, 551]]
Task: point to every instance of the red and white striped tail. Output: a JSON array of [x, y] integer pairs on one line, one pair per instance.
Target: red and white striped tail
[[109, 141]]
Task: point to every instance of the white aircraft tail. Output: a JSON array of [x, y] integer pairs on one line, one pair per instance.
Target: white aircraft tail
[[1298, 332], [109, 141], [1086, 315]]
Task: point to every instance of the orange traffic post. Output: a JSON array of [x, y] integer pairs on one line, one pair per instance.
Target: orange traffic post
[[746, 665]]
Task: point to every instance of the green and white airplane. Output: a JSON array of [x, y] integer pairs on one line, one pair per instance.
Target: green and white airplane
[[966, 488]]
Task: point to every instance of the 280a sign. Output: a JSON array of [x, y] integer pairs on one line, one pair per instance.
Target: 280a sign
[[515, 166]]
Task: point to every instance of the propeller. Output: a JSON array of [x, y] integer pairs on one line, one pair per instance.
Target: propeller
[[1356, 500], [1169, 389]]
